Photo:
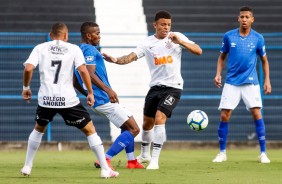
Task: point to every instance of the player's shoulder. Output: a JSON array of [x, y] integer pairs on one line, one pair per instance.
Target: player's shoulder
[[232, 32], [256, 34]]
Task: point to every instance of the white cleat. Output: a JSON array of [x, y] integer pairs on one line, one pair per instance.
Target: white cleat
[[108, 173], [263, 158], [152, 166], [26, 171], [142, 159], [221, 157]]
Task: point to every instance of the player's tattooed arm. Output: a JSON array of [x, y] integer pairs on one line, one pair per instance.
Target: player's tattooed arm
[[126, 59]]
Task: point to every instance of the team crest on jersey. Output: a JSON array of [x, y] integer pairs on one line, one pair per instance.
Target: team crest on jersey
[[89, 59], [58, 49], [168, 44], [169, 100], [233, 44]]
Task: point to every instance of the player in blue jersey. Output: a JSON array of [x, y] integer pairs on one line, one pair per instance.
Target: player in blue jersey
[[106, 100], [242, 46]]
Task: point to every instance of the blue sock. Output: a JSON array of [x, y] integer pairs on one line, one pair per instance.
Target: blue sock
[[222, 135], [260, 129], [122, 141]]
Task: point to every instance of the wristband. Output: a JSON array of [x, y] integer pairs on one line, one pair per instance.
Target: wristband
[[26, 87]]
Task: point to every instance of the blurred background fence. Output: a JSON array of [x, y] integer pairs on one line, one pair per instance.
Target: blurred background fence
[[17, 117]]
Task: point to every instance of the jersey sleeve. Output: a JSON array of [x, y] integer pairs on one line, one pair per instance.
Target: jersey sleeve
[[79, 59], [140, 50], [89, 56], [261, 47], [225, 44], [33, 57], [184, 38]]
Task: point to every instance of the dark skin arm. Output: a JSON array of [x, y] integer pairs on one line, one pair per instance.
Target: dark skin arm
[[77, 86], [96, 81]]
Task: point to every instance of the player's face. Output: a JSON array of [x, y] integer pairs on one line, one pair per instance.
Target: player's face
[[245, 19], [93, 36], [162, 27]]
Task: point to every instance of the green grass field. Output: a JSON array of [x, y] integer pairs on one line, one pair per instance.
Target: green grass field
[[176, 167]]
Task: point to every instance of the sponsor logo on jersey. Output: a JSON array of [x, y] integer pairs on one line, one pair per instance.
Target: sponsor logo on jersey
[[169, 100], [58, 49], [54, 101], [163, 60], [89, 59], [233, 44]]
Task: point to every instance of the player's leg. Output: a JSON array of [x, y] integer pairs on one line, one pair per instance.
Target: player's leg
[[167, 102], [147, 138], [78, 116], [43, 117], [131, 126], [230, 98], [252, 99]]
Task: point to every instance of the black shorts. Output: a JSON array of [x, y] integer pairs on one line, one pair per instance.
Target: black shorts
[[161, 98], [74, 116]]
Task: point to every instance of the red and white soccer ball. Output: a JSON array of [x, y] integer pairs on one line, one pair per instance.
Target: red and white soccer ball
[[197, 120]]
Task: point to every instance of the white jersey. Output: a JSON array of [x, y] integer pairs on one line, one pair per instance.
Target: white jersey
[[164, 60], [56, 60]]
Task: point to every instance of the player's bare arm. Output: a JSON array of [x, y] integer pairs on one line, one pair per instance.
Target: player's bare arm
[[193, 48], [27, 75], [77, 86], [96, 81], [121, 60], [220, 65], [265, 67], [87, 81]]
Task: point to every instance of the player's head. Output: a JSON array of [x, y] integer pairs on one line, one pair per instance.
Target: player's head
[[90, 33], [246, 17], [59, 31], [162, 24]]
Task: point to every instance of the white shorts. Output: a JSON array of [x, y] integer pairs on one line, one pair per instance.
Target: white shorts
[[231, 96], [115, 112]]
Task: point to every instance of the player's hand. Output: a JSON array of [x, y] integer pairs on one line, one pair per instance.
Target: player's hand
[[174, 38], [90, 100], [267, 87], [217, 81], [26, 94], [113, 96], [109, 58]]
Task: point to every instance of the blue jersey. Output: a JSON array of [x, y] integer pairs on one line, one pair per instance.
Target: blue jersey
[[242, 56], [93, 57]]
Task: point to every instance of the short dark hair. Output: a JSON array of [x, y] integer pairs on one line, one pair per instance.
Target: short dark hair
[[162, 15], [246, 8], [58, 28], [85, 26]]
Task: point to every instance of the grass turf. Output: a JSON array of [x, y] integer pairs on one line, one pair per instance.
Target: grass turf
[[176, 167]]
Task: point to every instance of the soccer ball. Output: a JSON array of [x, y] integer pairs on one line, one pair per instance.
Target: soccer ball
[[197, 120]]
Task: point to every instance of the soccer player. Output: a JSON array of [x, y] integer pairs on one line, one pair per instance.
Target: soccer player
[[163, 55], [106, 100], [242, 46], [56, 60]]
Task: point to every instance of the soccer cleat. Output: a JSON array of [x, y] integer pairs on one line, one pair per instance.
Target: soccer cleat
[[142, 159], [152, 166], [263, 158], [221, 157], [97, 164], [134, 164], [26, 171], [108, 173]]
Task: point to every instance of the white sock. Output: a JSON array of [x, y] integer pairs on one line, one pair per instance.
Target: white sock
[[159, 139], [96, 146], [34, 141], [147, 137], [130, 156]]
